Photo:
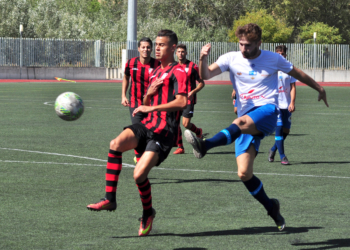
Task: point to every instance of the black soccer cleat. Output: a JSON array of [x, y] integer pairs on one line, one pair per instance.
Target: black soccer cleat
[[198, 144], [272, 155], [276, 216]]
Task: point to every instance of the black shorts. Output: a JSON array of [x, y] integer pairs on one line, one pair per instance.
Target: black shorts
[[188, 111], [138, 117], [149, 141]]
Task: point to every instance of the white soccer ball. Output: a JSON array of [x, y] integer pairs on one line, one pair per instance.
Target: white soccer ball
[[69, 106]]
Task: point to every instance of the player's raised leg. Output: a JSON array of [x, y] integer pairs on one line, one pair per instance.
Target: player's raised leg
[[226, 136], [124, 142]]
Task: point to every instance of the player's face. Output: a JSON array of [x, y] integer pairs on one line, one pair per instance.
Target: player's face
[[164, 49], [181, 54], [145, 49], [281, 53], [249, 49]]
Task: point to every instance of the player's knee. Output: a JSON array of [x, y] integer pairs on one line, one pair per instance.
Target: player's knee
[[186, 124], [245, 175], [115, 144], [139, 176], [240, 121]]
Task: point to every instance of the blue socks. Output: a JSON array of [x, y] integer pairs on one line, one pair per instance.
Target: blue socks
[[255, 188], [279, 141], [224, 137]]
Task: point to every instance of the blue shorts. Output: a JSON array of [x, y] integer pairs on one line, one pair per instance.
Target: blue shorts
[[265, 120], [284, 119]]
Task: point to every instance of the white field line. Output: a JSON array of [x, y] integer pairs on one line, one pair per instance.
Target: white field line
[[156, 168]]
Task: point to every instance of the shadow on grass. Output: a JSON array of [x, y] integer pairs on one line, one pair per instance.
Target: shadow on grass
[[322, 162], [335, 243], [221, 153], [172, 181], [190, 248], [242, 231]]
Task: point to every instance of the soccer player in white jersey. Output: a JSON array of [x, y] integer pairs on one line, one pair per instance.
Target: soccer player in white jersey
[[286, 104], [255, 74]]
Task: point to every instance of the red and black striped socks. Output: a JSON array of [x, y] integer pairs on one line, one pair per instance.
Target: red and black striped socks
[[194, 129], [146, 197], [114, 166]]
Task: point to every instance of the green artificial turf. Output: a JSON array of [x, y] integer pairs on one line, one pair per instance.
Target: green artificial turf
[[51, 169]]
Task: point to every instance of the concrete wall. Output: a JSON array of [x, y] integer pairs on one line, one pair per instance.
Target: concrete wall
[[109, 73], [50, 73]]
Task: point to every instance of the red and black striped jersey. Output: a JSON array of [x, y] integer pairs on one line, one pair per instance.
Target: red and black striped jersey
[[174, 83], [139, 74], [192, 72]]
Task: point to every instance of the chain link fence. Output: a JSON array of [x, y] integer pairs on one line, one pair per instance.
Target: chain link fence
[[28, 52]]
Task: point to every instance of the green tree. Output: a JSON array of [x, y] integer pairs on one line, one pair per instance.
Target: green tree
[[273, 30], [325, 33], [13, 13]]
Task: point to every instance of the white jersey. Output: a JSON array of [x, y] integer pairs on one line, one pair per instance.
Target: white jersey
[[284, 82], [255, 80]]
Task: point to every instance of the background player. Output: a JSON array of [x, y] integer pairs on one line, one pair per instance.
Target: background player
[[139, 70], [233, 96], [286, 103], [255, 74], [193, 77], [155, 135]]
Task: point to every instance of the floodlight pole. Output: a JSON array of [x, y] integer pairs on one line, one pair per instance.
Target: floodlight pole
[[314, 55], [21, 49], [132, 25]]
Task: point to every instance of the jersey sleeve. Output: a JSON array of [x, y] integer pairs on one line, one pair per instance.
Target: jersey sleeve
[[195, 72], [127, 68], [284, 65], [292, 79], [180, 81], [224, 62]]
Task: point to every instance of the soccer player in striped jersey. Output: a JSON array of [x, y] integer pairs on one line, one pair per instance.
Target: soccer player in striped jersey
[[286, 104], [155, 135], [138, 70], [255, 80], [193, 77]]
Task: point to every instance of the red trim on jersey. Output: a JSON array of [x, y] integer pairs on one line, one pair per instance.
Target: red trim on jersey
[[139, 74]]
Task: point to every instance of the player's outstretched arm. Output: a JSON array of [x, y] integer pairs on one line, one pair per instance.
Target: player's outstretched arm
[[206, 72], [304, 78], [179, 103], [125, 85]]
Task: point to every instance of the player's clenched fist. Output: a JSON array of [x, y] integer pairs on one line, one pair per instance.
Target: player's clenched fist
[[205, 50]]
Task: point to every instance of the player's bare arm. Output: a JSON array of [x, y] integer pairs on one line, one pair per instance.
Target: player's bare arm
[[179, 103], [199, 87], [291, 107], [233, 95], [304, 78], [206, 72], [125, 85]]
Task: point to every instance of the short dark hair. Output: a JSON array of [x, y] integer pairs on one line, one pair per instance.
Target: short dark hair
[[181, 46], [169, 33], [282, 48], [251, 31], [145, 39]]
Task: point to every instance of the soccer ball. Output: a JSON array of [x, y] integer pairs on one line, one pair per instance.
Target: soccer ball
[[69, 106]]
